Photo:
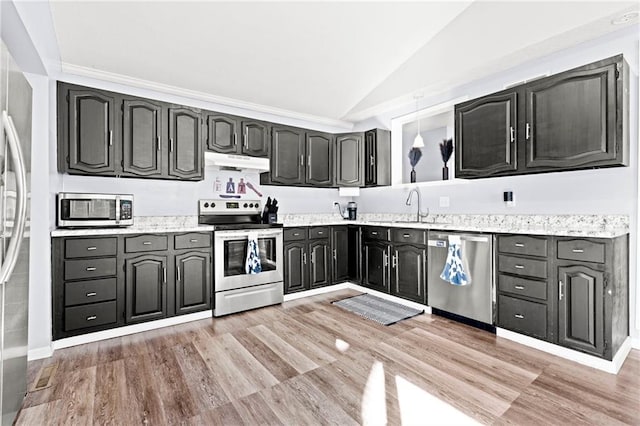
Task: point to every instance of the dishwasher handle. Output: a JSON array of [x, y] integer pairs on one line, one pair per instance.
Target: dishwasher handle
[[443, 240]]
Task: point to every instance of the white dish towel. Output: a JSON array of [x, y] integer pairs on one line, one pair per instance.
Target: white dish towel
[[252, 264], [454, 271]]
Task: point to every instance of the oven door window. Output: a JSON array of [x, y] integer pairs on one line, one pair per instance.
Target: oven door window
[[235, 255]]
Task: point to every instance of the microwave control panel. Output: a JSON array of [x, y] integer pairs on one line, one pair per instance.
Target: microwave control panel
[[126, 210]]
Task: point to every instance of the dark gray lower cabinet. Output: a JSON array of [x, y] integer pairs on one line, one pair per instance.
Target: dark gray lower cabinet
[[320, 266], [375, 265], [193, 282], [146, 288], [340, 253], [295, 266], [307, 258], [408, 272]]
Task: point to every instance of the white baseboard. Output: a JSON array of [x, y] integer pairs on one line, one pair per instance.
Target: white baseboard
[[129, 329], [612, 366], [39, 353], [316, 291]]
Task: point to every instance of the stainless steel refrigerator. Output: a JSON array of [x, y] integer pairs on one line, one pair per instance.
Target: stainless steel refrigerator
[[15, 178]]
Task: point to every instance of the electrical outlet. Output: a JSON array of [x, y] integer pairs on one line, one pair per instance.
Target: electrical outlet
[[444, 201]]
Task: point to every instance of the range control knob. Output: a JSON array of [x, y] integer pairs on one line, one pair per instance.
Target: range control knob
[[245, 205], [213, 205], [206, 205], [257, 205], [251, 205]]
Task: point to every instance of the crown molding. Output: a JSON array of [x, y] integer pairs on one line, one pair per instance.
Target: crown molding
[[79, 70]]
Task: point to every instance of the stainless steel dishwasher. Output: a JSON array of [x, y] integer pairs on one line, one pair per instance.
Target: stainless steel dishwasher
[[474, 300]]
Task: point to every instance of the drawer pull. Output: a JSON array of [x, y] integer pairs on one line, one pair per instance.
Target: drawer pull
[[374, 233], [519, 316], [91, 268], [519, 287], [519, 245], [320, 232], [406, 235], [91, 294], [92, 317], [577, 251], [296, 234], [91, 248], [146, 243], [193, 240], [518, 266]]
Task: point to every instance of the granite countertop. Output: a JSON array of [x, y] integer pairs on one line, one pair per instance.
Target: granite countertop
[[597, 226]]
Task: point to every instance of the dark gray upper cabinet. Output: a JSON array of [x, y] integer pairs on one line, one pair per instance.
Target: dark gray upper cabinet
[[349, 160], [319, 152], [377, 157], [581, 308], [255, 138], [142, 152], [222, 133], [146, 290], [574, 119], [485, 135], [87, 120], [185, 144], [193, 282], [287, 155], [408, 272]]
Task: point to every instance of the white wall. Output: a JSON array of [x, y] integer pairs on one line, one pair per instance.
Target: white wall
[[602, 191]]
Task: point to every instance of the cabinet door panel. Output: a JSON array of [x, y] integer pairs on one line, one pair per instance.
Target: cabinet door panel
[[91, 126], [141, 145], [580, 309], [193, 282], [375, 266], [320, 268], [255, 138], [408, 277], [349, 160], [145, 284], [295, 267], [340, 253], [287, 155], [222, 133], [486, 133], [185, 144], [571, 119], [319, 149]]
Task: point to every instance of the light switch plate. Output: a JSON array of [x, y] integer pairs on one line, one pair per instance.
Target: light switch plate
[[444, 201]]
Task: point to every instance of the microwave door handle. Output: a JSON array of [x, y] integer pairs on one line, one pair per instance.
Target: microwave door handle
[[117, 209], [17, 158]]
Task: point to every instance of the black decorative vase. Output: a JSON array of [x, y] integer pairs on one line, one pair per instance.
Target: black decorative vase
[[413, 176], [445, 172]]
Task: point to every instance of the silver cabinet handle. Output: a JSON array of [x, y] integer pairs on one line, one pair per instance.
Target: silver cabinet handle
[[406, 235], [309, 160], [518, 266], [528, 131], [158, 143], [320, 232], [93, 293], [304, 258], [519, 287], [91, 248], [519, 316], [374, 233], [577, 251], [372, 161], [313, 258], [146, 243], [385, 261], [246, 139], [164, 274], [90, 268], [519, 245], [394, 260], [560, 293], [193, 240], [178, 272], [92, 317], [335, 254], [235, 139], [295, 234], [513, 134], [301, 160], [110, 137], [170, 144]]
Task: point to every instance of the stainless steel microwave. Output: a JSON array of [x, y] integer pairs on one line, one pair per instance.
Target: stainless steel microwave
[[94, 210]]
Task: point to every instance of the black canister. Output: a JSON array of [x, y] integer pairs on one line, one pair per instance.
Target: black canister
[[352, 208]]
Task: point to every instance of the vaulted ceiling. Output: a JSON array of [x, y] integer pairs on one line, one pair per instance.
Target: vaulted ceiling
[[331, 61]]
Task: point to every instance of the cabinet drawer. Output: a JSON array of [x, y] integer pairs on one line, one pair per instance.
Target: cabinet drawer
[[522, 244], [375, 233], [522, 266], [584, 250], [89, 268], [521, 286], [81, 292], [318, 232], [294, 234], [89, 315], [145, 243], [403, 235], [90, 247], [192, 240], [522, 316]]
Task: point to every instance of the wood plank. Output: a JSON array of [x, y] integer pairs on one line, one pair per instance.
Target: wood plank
[[76, 390], [277, 366], [254, 410], [297, 360], [111, 394], [145, 406]]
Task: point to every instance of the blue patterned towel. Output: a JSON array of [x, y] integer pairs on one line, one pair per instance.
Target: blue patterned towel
[[252, 265], [454, 271]]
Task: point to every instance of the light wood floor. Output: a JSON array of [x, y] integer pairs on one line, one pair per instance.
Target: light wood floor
[[309, 362]]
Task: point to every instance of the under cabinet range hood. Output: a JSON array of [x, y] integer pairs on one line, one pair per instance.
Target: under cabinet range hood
[[235, 162]]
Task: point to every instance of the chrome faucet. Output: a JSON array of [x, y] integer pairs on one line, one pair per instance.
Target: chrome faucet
[[419, 215]]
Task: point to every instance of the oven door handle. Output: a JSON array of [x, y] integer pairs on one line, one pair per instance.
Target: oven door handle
[[234, 235]]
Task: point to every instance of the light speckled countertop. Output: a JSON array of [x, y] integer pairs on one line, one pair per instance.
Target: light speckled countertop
[[597, 226]]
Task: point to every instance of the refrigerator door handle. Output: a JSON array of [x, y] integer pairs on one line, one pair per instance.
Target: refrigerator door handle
[[21, 197]]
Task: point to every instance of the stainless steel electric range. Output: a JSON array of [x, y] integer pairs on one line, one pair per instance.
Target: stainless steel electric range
[[238, 287]]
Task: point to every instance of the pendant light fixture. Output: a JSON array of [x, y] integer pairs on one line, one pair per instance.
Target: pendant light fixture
[[418, 142]]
